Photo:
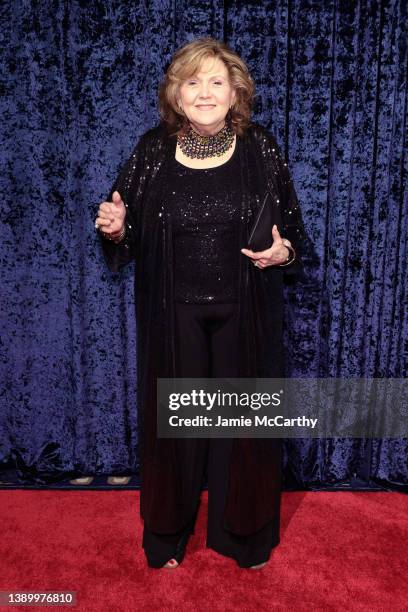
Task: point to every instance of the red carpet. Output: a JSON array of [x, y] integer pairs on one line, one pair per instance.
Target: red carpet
[[338, 551]]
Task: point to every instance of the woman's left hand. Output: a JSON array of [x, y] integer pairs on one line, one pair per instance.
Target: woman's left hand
[[275, 255]]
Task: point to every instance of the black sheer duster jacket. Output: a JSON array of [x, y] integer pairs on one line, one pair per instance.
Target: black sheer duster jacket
[[253, 497]]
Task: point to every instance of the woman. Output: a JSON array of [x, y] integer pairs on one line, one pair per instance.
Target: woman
[[183, 207]]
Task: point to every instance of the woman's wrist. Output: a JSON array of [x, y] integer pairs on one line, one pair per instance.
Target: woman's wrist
[[117, 236], [291, 256]]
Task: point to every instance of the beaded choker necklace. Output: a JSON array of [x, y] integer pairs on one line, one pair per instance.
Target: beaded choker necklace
[[197, 146]]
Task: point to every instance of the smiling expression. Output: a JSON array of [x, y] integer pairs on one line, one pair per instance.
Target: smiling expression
[[207, 96]]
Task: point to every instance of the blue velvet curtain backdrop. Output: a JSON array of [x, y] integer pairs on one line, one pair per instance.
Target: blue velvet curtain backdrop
[[78, 87]]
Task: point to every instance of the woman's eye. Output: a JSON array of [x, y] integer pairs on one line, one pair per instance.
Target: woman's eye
[[195, 82]]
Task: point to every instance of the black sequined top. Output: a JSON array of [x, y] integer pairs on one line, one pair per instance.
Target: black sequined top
[[204, 206]]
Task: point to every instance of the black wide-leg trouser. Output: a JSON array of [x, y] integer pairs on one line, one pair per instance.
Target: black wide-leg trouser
[[207, 347]]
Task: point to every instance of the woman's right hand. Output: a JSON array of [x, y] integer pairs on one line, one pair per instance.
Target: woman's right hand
[[111, 215]]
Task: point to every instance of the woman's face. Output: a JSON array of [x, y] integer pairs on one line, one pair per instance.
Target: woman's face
[[207, 96]]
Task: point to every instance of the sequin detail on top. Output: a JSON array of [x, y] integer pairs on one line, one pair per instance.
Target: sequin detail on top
[[204, 205]]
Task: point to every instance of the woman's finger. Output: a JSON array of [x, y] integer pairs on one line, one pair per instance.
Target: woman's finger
[[252, 254], [105, 215], [275, 234], [103, 221], [105, 206], [109, 229]]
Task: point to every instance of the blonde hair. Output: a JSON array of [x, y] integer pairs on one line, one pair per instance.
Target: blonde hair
[[185, 63]]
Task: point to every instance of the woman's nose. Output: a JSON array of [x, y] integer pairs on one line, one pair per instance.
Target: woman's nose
[[204, 92]]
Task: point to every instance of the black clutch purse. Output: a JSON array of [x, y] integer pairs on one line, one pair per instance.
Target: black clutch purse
[[260, 237]]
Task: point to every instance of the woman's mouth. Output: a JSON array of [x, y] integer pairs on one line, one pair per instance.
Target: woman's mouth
[[205, 106]]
